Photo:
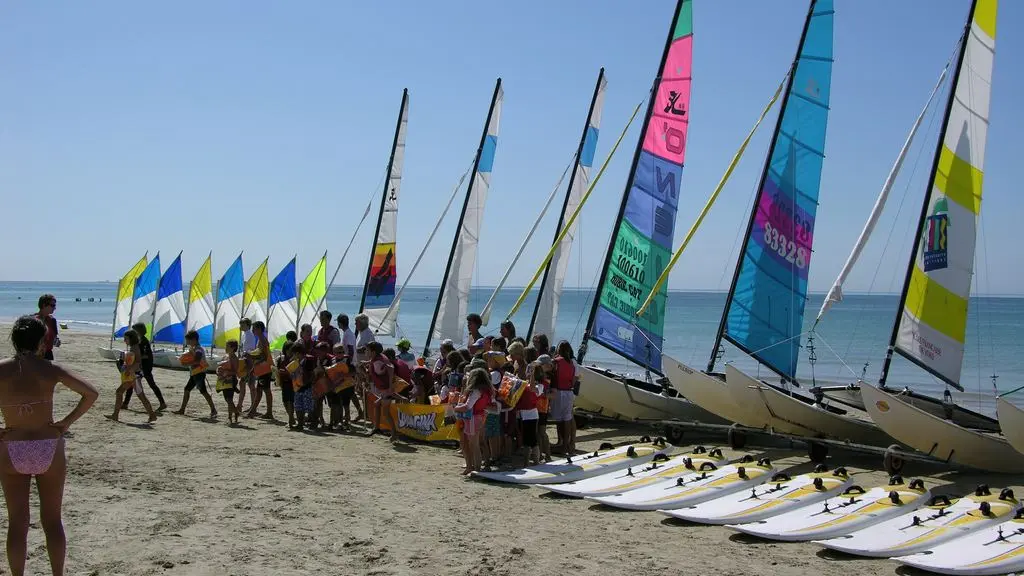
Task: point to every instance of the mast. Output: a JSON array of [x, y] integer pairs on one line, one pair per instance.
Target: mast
[[629, 183], [568, 193], [462, 217], [760, 189], [388, 189], [924, 215]]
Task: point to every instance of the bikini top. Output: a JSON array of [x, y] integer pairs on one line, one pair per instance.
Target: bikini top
[[25, 408]]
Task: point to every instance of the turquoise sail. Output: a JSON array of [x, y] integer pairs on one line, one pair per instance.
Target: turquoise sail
[[764, 314]]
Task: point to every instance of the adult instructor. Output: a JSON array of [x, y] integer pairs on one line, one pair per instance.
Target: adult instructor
[[47, 306]]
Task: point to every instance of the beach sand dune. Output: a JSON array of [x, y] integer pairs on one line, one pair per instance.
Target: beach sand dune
[[193, 496]]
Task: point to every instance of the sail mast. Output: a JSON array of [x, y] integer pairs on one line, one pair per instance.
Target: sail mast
[[760, 189], [388, 203], [912, 260], [462, 215], [581, 354], [598, 88]]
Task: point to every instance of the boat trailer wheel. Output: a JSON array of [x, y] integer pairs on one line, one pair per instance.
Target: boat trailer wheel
[[893, 461], [582, 420], [737, 438], [674, 435], [817, 452]]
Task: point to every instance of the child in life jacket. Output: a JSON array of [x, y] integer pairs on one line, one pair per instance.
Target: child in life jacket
[[284, 380], [321, 383], [542, 385], [529, 416], [479, 395], [262, 371], [131, 377], [195, 359], [302, 368], [343, 385], [227, 378]]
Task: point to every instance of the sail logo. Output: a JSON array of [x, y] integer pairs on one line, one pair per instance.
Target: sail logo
[[936, 238], [625, 334], [422, 423]]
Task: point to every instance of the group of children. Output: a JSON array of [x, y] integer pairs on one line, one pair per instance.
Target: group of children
[[500, 392]]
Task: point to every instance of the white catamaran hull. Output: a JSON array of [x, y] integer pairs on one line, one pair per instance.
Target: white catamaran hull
[[746, 393], [612, 397], [1011, 420], [850, 395], [707, 391], [110, 353], [940, 438], [786, 412]]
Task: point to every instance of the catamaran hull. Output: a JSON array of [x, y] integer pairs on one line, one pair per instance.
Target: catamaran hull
[[707, 391], [168, 359], [940, 438], [850, 396], [1011, 420], [806, 419], [615, 398], [745, 393]]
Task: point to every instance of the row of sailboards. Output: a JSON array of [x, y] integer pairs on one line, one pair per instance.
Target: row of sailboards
[[764, 313]]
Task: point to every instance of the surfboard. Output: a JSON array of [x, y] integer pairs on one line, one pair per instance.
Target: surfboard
[[942, 519], [778, 495], [605, 459], [710, 481], [661, 467], [852, 510], [996, 549]]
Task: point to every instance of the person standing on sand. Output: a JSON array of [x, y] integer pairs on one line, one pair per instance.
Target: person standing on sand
[[195, 359], [34, 443], [248, 345], [146, 350], [364, 336], [328, 333], [227, 379], [131, 377], [262, 371], [47, 306], [348, 347]]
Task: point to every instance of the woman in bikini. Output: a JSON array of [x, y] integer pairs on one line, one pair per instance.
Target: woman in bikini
[[33, 442]]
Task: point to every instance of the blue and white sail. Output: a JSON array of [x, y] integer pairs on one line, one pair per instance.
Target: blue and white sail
[[284, 310], [144, 298], [125, 298], [229, 304], [169, 319]]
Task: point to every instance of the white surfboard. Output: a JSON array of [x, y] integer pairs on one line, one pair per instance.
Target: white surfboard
[[708, 482], [852, 510], [997, 549], [603, 460], [941, 520], [778, 495], [661, 467]]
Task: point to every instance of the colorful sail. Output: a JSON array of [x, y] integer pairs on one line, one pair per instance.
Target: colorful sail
[[379, 288], [284, 309], [125, 297], [933, 321], [453, 303], [229, 304], [201, 305], [545, 313], [144, 304], [257, 291], [312, 294], [764, 314], [169, 319], [642, 242]]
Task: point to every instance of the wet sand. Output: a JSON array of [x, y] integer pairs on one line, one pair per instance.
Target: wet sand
[[190, 495]]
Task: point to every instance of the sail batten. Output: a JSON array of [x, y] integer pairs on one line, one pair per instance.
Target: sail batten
[[932, 321], [545, 312], [453, 300], [765, 307], [641, 245], [379, 301]]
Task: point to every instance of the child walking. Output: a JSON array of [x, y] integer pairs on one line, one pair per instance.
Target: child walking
[[131, 377], [195, 359], [262, 371], [227, 379], [284, 380]]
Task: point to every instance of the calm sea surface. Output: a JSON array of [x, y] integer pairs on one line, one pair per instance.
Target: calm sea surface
[[852, 334]]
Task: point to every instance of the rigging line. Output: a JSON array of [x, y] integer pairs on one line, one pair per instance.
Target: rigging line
[[486, 313], [583, 200], [832, 350]]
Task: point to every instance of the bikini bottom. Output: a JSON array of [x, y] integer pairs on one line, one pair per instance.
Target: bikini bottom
[[32, 457]]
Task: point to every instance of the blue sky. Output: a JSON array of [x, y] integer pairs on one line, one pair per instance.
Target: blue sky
[[132, 126]]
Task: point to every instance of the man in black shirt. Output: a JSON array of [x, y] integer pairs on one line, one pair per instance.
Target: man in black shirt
[[146, 351]]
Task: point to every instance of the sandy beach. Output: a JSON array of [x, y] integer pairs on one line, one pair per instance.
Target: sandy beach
[[193, 496]]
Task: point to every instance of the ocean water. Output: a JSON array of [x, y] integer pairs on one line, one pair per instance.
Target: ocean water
[[853, 334]]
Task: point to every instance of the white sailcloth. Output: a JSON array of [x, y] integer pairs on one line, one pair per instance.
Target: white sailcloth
[[933, 321], [454, 299], [554, 278]]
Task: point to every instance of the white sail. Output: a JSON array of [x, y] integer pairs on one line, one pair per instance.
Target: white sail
[[546, 312], [453, 305], [835, 293], [382, 275]]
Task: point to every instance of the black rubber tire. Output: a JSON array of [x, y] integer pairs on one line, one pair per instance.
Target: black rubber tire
[[893, 461], [674, 435], [817, 452], [737, 438]]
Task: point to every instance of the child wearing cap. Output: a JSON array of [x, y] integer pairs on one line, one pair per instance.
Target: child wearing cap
[[404, 354]]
